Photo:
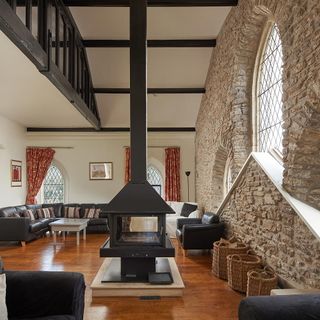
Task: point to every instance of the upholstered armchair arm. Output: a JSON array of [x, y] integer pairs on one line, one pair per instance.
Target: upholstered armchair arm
[[186, 221], [201, 236], [33, 294], [293, 307], [14, 229]]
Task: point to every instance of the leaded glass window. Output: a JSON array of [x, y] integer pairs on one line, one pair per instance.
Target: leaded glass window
[[155, 179], [53, 186], [269, 115]]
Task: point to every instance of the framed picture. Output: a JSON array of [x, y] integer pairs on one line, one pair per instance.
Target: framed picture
[[16, 173], [100, 171]]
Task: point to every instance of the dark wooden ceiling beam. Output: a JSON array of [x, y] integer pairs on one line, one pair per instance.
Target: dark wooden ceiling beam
[[152, 3], [152, 90], [207, 43]]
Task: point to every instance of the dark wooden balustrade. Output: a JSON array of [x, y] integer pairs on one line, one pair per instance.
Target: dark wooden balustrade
[[46, 32]]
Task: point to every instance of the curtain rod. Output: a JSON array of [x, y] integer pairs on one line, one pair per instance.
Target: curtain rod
[[52, 147], [155, 147]]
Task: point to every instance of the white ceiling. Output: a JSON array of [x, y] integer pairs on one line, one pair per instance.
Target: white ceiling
[[28, 97], [167, 67]]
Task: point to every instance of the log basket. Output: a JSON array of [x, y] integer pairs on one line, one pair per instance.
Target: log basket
[[221, 249], [261, 281], [238, 267]]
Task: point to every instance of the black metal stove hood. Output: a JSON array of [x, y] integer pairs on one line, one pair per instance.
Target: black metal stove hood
[[138, 196]]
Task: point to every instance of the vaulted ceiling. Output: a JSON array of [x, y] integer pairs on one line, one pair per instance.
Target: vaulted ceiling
[[168, 67], [180, 44]]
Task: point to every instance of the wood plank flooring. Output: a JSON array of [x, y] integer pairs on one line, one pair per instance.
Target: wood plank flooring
[[205, 296]]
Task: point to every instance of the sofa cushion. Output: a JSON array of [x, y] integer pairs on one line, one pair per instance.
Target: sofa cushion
[[96, 222], [37, 225], [33, 207], [7, 212], [92, 213], [28, 214], [176, 206], [209, 218], [84, 207], [187, 208], [45, 213], [72, 212], [102, 206], [21, 208], [57, 208]]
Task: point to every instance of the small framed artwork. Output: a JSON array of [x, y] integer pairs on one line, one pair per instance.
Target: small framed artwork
[[16, 173], [100, 171]]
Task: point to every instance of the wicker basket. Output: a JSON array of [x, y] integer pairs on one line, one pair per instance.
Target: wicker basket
[[238, 267], [261, 282], [221, 249]]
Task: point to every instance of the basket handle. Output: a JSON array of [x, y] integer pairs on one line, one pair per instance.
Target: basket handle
[[236, 257], [269, 270]]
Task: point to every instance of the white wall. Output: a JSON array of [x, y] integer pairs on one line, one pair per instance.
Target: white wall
[[109, 147], [12, 147]]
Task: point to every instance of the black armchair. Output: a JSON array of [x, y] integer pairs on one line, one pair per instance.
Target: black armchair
[[199, 233], [292, 307], [45, 295]]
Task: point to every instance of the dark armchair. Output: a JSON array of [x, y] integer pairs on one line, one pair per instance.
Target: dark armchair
[[45, 295], [199, 233], [292, 307]]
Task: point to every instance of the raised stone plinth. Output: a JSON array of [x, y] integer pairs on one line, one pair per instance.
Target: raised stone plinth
[[131, 289]]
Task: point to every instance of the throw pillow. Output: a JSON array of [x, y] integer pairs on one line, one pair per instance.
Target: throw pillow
[[45, 213], [72, 212], [3, 307], [92, 213], [187, 208], [28, 214], [209, 218]]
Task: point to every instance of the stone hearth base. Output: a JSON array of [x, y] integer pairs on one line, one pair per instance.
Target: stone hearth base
[[116, 289]]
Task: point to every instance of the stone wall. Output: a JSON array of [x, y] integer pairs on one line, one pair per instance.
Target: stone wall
[[225, 116], [224, 130], [257, 214]]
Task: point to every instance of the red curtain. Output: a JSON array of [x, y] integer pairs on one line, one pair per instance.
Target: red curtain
[[172, 168], [127, 175], [38, 163]]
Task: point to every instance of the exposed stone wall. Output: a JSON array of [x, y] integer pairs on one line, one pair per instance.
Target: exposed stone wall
[[225, 123], [225, 116], [257, 213]]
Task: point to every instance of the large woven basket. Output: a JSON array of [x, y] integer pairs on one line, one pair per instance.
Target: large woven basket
[[261, 282], [238, 267], [221, 249]]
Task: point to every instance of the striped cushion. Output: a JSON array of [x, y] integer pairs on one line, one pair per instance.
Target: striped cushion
[[72, 212], [45, 213], [92, 213], [28, 214]]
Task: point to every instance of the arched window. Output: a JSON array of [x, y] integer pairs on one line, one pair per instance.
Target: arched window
[[269, 94], [53, 186], [155, 179]]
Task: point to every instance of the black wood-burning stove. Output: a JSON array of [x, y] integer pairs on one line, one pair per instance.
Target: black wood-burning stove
[[138, 248]]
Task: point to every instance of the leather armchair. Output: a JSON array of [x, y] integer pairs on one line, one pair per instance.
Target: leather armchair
[[291, 307], [199, 233], [45, 295]]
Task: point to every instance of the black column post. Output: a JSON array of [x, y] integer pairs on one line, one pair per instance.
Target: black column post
[[138, 89]]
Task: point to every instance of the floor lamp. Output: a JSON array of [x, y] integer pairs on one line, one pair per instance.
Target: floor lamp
[[188, 174]]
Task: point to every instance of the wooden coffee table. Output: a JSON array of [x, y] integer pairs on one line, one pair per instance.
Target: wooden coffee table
[[69, 225]]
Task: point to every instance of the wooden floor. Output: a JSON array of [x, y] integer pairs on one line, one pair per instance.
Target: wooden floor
[[205, 296]]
